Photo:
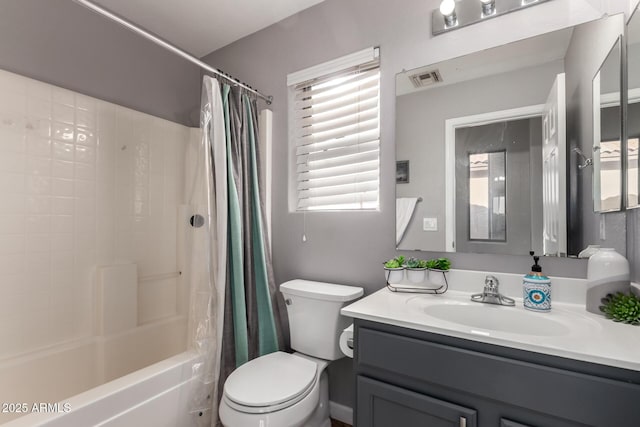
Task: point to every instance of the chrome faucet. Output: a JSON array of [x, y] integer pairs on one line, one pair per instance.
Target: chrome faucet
[[491, 293]]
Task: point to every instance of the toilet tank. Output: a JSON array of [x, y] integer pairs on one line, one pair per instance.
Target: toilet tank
[[315, 322]]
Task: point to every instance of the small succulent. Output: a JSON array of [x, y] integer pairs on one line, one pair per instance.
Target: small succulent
[[439, 264], [621, 308], [413, 263], [422, 263], [396, 262]]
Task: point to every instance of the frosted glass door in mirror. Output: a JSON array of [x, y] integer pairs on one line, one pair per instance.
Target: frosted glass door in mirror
[[607, 152], [487, 196]]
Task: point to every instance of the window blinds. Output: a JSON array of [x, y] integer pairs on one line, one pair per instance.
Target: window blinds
[[336, 128]]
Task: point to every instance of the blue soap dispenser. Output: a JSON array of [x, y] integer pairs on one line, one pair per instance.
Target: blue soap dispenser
[[537, 288]]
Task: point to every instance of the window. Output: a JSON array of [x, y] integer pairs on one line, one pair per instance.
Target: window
[[335, 129]]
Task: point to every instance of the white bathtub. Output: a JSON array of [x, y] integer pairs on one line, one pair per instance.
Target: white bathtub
[[87, 378]]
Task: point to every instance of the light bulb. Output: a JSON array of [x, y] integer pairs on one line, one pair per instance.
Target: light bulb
[[488, 7], [447, 7]]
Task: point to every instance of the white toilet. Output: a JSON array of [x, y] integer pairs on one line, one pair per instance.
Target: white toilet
[[292, 390]]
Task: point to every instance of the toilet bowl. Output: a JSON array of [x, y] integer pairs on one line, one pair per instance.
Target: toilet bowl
[[277, 390], [292, 390]]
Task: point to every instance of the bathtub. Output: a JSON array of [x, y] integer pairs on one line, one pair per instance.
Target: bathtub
[[138, 377]]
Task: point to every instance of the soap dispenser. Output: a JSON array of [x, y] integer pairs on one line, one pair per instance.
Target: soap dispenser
[[537, 288]]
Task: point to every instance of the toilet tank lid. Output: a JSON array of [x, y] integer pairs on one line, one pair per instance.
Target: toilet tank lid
[[321, 290]]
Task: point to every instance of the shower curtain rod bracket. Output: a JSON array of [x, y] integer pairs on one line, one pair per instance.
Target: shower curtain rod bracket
[[168, 46]]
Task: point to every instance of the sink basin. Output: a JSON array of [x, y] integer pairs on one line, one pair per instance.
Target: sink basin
[[488, 319], [499, 318]]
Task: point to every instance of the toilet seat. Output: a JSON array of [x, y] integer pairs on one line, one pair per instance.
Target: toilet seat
[[270, 383]]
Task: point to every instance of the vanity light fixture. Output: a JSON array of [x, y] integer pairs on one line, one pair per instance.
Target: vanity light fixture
[[448, 11], [454, 14]]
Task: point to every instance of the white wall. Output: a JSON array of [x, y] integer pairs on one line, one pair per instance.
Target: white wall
[[82, 183]]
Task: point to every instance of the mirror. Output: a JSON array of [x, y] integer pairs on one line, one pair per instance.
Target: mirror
[[607, 132], [488, 145], [633, 108]]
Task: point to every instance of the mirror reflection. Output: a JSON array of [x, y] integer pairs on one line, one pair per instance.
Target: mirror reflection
[[607, 131], [633, 109], [488, 145]]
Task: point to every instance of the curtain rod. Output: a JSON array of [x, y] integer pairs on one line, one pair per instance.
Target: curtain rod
[[165, 44]]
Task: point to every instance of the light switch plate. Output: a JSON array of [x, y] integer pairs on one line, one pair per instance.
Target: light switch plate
[[430, 224]]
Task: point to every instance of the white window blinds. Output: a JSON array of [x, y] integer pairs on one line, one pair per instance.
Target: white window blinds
[[336, 128]]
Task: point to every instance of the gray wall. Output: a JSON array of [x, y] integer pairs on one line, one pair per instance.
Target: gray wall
[[62, 43], [349, 247], [590, 45], [420, 118]]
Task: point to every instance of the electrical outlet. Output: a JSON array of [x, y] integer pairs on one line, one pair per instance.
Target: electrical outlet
[[430, 224]]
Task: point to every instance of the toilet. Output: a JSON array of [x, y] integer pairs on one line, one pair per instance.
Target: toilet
[[292, 390]]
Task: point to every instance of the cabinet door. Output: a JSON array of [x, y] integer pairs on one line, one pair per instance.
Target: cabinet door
[[383, 405]]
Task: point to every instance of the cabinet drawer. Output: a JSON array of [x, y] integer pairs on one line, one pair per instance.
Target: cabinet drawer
[[586, 399], [384, 405]]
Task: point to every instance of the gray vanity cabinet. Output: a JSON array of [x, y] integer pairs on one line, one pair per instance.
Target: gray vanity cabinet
[[383, 405], [411, 378]]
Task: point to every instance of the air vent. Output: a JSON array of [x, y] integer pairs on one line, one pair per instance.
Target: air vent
[[427, 78]]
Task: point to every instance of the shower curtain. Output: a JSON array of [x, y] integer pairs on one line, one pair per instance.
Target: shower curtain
[[236, 312]]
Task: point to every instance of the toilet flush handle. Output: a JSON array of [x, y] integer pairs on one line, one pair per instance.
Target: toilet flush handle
[[288, 301]]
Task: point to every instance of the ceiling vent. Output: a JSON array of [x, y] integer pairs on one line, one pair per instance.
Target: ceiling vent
[[426, 78]]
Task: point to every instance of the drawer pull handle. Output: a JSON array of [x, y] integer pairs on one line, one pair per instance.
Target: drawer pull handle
[[463, 422]]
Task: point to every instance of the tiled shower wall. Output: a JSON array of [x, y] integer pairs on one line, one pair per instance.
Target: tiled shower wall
[[82, 183]]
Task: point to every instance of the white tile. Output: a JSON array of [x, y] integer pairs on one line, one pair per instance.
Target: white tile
[[38, 262], [12, 264], [38, 185], [64, 169], [38, 205], [85, 154], [12, 204], [39, 108], [12, 285], [11, 162], [37, 224], [12, 183], [86, 224], [40, 90], [86, 118], [85, 137], [63, 151], [12, 142], [63, 96], [38, 146], [85, 171], [62, 224], [63, 206], [12, 224], [63, 114], [61, 243], [63, 261], [38, 243], [85, 207], [62, 278], [37, 281], [12, 244], [37, 127], [62, 187], [85, 189], [38, 166], [63, 132]]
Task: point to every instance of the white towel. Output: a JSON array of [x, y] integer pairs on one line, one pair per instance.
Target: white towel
[[404, 211]]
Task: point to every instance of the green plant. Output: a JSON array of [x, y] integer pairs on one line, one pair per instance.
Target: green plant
[[621, 308], [413, 263], [439, 264], [422, 263], [394, 262]]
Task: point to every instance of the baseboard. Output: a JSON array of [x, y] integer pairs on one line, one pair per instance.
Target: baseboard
[[341, 413]]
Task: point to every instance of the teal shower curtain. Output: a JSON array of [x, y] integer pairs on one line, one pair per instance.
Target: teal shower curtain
[[236, 312], [254, 310]]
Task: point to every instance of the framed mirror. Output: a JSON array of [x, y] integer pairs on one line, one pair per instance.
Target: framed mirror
[[633, 109], [607, 133], [493, 139]]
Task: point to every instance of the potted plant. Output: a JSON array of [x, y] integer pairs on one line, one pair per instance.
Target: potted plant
[[438, 266], [394, 269], [416, 270]]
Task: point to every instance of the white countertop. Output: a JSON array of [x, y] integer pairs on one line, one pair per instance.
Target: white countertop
[[567, 331]]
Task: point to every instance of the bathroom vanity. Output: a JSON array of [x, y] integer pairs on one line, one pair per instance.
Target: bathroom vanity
[[413, 368]]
